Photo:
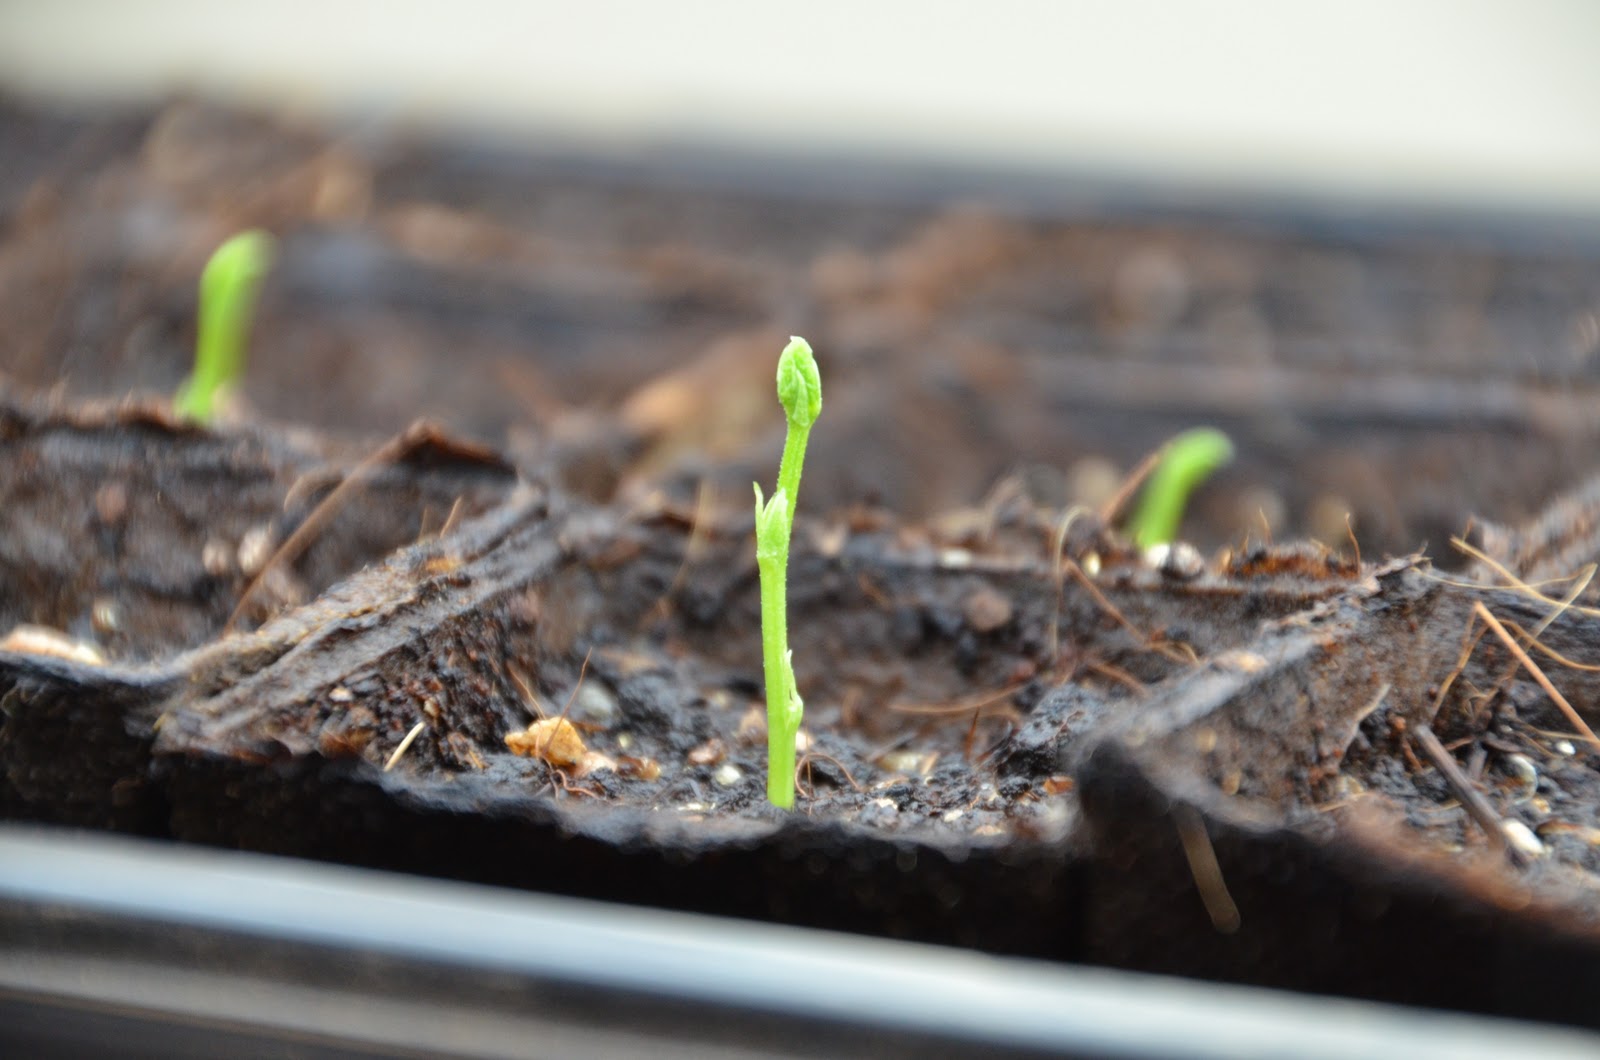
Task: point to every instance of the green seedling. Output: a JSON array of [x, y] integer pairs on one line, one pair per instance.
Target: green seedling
[[1186, 461], [228, 288], [800, 393]]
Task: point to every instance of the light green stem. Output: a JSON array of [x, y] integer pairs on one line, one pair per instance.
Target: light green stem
[[783, 723], [228, 288], [1186, 461], [800, 393], [794, 458]]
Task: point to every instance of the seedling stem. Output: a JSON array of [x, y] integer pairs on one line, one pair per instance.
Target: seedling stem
[[1186, 461], [228, 288], [800, 393]]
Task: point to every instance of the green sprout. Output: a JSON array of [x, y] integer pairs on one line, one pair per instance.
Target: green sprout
[[1185, 462], [800, 393], [228, 288]]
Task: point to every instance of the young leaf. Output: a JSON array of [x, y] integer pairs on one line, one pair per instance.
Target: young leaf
[[1186, 461], [799, 384], [228, 288]]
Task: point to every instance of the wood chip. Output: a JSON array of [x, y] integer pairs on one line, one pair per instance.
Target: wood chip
[[42, 640], [552, 740], [752, 726], [708, 754], [638, 768], [986, 610]]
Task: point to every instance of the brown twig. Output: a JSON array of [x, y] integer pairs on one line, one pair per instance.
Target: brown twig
[[1538, 675], [582, 670], [1549, 652], [1266, 530], [1528, 589], [313, 524], [805, 761], [527, 691], [1172, 652], [1469, 644], [558, 777], [1412, 761], [978, 702], [704, 495], [1130, 485], [1207, 873], [405, 745], [1117, 674], [1374, 703], [451, 519], [1015, 725], [1580, 583], [972, 736], [1578, 587], [1366, 712], [1058, 544], [1470, 797]]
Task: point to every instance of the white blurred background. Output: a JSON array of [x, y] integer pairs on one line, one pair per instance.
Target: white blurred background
[[1462, 102]]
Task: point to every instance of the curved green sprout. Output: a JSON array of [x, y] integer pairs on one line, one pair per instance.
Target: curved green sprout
[[1186, 461], [800, 393], [228, 288]]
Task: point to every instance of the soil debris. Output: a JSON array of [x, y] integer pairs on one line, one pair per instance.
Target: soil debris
[[28, 639], [552, 740]]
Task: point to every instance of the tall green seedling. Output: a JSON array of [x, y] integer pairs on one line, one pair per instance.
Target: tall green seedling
[[800, 393], [228, 288]]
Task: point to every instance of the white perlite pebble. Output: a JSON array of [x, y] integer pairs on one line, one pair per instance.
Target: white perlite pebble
[[594, 702], [1522, 767], [1521, 836], [255, 548]]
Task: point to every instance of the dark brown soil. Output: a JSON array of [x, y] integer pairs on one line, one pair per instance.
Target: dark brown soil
[[1277, 818], [618, 320], [1015, 741], [1532, 764], [947, 683], [139, 534]]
